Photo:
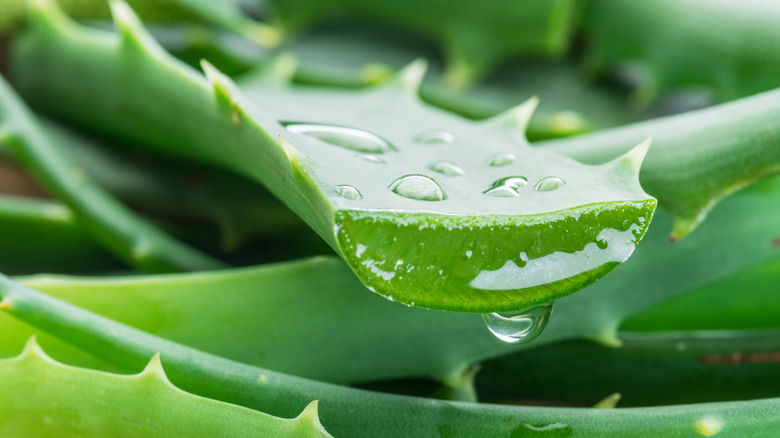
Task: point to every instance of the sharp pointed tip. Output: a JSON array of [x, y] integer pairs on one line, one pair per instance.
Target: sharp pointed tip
[[311, 414], [33, 349], [131, 29], [633, 159], [609, 402], [155, 368], [517, 117], [411, 76], [210, 71]]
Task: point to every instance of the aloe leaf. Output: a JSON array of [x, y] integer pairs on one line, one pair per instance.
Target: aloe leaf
[[475, 37], [697, 158], [375, 184], [115, 226], [260, 308], [718, 45], [242, 209], [46, 237], [225, 14], [44, 398], [717, 307], [350, 412], [657, 368]]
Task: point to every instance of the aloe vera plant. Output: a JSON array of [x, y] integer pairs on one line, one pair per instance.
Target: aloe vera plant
[[422, 206]]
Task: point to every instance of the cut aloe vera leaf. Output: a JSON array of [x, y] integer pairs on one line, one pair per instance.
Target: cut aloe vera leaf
[[261, 308], [697, 158], [354, 413], [427, 208], [44, 398], [720, 46], [475, 37], [655, 368]]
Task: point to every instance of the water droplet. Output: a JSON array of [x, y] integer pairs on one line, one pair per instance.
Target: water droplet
[[419, 187], [602, 243], [506, 187], [348, 192], [371, 158], [348, 138], [434, 137], [548, 184], [446, 168], [502, 159], [521, 326]]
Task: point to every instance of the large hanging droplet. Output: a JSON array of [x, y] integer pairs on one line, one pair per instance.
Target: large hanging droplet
[[548, 184], [419, 187], [446, 168], [502, 159], [519, 327], [348, 138], [348, 192], [434, 137], [506, 187]]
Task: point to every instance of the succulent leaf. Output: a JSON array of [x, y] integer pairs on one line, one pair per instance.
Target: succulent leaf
[[697, 158], [44, 398], [117, 228], [359, 167], [351, 412]]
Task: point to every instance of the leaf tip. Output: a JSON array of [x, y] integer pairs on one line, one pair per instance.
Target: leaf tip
[[46, 14], [128, 25], [224, 91], [310, 417], [515, 118], [410, 77], [633, 159], [32, 350], [609, 402], [154, 369]]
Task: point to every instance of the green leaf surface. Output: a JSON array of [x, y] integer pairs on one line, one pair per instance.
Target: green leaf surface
[[278, 316], [697, 158], [348, 163], [649, 369], [475, 37], [115, 226], [43, 398], [724, 47], [46, 237], [351, 413]]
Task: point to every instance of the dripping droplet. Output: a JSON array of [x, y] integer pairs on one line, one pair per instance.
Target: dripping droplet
[[548, 184], [419, 187], [371, 158], [434, 137], [519, 327], [348, 138], [506, 187], [502, 159], [446, 168], [348, 192]]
